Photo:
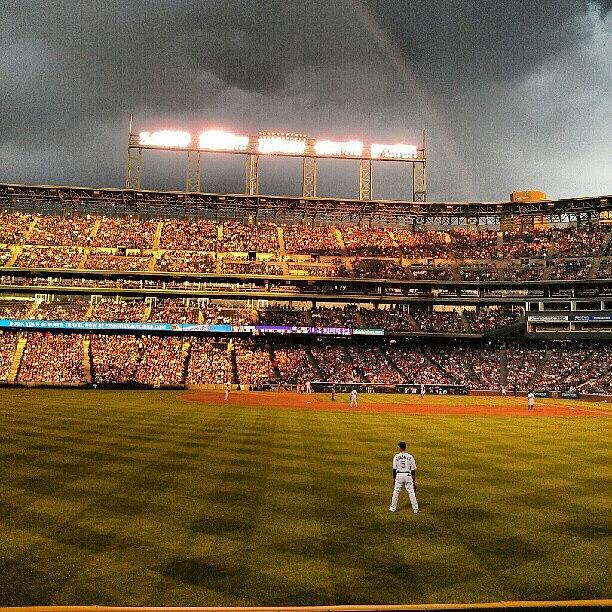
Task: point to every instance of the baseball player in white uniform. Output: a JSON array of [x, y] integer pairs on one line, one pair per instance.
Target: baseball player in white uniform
[[226, 391], [530, 400], [404, 475], [353, 403]]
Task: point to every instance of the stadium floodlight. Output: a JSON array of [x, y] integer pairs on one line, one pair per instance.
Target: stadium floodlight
[[349, 148], [166, 138], [223, 141], [276, 142], [394, 151]]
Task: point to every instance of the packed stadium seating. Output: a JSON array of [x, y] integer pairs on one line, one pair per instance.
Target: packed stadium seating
[[156, 253], [151, 360]]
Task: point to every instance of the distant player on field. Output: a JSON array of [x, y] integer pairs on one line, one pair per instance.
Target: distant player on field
[[404, 475], [422, 390], [530, 400], [504, 392], [226, 391], [353, 399], [333, 392]]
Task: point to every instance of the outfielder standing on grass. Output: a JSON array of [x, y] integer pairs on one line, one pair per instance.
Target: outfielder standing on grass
[[226, 391], [530, 400], [353, 403], [404, 475]]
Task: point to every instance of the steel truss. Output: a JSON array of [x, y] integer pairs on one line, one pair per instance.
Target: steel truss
[[124, 202]]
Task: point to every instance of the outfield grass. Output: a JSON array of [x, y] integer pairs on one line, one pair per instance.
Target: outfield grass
[[139, 498]]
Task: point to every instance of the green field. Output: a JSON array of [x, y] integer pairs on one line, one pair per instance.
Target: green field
[[139, 498]]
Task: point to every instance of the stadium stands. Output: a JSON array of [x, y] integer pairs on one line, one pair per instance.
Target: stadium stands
[[123, 267]]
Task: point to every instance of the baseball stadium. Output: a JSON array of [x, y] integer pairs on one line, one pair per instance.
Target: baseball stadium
[[176, 368]]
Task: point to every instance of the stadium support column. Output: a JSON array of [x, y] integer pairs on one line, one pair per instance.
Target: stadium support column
[[133, 167], [419, 177], [419, 182], [365, 179], [309, 177], [192, 172], [252, 174]]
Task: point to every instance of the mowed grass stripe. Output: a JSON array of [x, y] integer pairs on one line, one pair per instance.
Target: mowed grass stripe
[[139, 498]]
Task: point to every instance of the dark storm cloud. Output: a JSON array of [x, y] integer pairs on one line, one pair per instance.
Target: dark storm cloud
[[70, 73]]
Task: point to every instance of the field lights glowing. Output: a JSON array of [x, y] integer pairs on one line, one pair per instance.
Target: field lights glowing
[[394, 151], [273, 142], [166, 138], [329, 147], [223, 141]]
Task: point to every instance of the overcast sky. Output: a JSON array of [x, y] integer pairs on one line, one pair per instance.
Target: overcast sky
[[512, 94]]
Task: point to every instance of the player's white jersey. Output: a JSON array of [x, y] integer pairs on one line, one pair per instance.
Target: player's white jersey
[[404, 463], [530, 398]]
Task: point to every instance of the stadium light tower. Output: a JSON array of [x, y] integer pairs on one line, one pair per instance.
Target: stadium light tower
[[282, 144]]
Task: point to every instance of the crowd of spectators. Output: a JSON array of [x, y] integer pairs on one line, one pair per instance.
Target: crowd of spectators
[[115, 358], [336, 316], [210, 362], [74, 310], [186, 261], [369, 241], [375, 366], [579, 242], [162, 362], [417, 368], [174, 310], [61, 231], [473, 244], [569, 269], [252, 267], [124, 311], [131, 233], [439, 321], [49, 257], [197, 235], [380, 268], [327, 270], [439, 272], [101, 260], [53, 359], [15, 309], [294, 366], [594, 375], [390, 319], [422, 244], [282, 315], [8, 347], [218, 314], [253, 363], [486, 319], [479, 273], [242, 238], [521, 363], [304, 239], [605, 269], [335, 364], [559, 365], [454, 363], [525, 272], [13, 227], [534, 243], [5, 256], [486, 364]]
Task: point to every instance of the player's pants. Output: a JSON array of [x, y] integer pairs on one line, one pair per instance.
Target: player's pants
[[353, 403], [403, 480], [226, 395]]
